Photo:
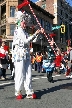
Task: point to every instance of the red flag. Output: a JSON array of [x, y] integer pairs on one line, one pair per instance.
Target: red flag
[[25, 3], [52, 35]]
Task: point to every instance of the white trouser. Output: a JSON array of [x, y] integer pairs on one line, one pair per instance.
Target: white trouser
[[23, 75]]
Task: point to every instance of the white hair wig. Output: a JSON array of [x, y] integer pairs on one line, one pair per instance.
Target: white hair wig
[[22, 16]]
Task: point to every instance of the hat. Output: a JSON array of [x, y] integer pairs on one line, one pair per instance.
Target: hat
[[22, 16]]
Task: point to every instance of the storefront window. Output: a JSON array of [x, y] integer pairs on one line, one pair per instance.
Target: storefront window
[[12, 27]]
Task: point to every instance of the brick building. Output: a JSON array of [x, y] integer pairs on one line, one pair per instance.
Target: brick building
[[63, 14]]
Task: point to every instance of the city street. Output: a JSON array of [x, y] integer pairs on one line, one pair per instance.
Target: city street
[[40, 32], [49, 95]]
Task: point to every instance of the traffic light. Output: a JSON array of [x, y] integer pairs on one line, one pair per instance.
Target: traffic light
[[62, 28]]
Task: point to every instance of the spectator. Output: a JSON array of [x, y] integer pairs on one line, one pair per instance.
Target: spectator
[[62, 68], [3, 60], [33, 61], [57, 61], [70, 54], [39, 62], [11, 66]]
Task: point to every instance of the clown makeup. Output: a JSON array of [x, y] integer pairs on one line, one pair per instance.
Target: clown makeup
[[22, 19], [23, 24]]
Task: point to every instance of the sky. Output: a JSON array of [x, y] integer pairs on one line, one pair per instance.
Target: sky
[[34, 0], [69, 1]]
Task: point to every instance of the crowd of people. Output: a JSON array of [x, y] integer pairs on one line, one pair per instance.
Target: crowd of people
[[5, 61], [62, 61]]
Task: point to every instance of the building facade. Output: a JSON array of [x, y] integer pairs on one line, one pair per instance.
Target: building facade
[[63, 15], [7, 10], [7, 25]]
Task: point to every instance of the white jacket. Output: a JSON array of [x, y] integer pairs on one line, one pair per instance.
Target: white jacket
[[21, 44]]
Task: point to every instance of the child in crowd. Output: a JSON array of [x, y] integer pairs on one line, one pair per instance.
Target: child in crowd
[[62, 68]]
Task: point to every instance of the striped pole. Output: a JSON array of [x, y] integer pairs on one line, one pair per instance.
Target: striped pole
[[49, 41], [25, 3]]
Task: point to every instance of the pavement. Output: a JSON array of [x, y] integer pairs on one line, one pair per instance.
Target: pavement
[[49, 95]]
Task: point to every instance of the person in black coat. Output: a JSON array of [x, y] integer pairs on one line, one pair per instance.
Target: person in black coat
[[11, 66]]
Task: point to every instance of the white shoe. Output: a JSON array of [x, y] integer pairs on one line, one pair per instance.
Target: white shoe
[[71, 76], [29, 92], [29, 96], [17, 93], [33, 69], [2, 78], [68, 76]]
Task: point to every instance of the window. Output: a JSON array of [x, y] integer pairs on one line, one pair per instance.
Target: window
[[46, 25], [43, 0], [12, 27], [10, 45], [66, 15], [43, 6], [41, 21], [50, 27], [61, 3], [60, 21], [33, 20], [12, 11], [61, 12], [70, 11]]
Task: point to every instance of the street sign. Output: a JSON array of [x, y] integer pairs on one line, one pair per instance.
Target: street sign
[[62, 28], [56, 27]]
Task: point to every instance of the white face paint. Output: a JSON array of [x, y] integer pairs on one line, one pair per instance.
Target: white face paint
[[23, 25], [22, 19]]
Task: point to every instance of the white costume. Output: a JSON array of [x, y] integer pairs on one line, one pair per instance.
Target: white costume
[[21, 59]]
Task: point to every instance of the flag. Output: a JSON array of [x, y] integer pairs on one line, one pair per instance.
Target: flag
[[52, 35], [25, 3]]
